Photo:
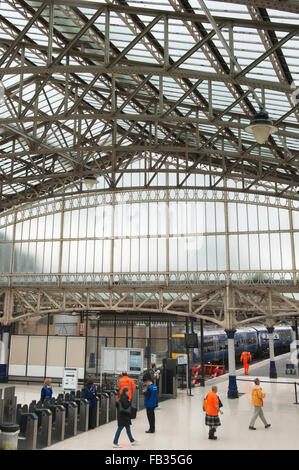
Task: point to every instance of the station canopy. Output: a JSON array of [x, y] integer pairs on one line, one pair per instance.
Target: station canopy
[[147, 94]]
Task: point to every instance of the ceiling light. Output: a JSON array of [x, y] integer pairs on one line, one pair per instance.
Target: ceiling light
[[261, 127], [90, 181]]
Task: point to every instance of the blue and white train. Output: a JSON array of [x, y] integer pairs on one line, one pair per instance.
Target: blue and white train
[[254, 339]]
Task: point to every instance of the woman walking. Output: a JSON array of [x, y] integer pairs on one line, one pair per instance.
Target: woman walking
[[123, 418], [212, 409], [257, 396]]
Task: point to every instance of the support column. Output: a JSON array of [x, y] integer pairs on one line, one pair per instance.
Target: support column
[[293, 347], [232, 384], [92, 359], [272, 371], [4, 345], [202, 355]]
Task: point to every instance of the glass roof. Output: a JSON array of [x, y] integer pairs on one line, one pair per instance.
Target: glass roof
[[89, 90]]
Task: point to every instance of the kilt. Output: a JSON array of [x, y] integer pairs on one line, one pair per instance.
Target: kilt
[[212, 421]]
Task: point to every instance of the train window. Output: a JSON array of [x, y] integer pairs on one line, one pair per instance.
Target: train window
[[208, 345]]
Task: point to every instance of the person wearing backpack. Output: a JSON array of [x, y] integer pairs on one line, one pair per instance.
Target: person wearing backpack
[[257, 396], [212, 407], [123, 418]]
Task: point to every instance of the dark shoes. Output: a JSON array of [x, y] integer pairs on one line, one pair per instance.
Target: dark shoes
[[212, 435], [150, 432], [267, 426], [252, 428]]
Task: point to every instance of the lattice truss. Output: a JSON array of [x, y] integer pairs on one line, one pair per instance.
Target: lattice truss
[[224, 307], [147, 94]]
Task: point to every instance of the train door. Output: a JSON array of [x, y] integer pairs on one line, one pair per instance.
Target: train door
[[216, 348]]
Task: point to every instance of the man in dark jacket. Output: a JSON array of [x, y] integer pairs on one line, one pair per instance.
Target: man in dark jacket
[[150, 403], [89, 393], [123, 418]]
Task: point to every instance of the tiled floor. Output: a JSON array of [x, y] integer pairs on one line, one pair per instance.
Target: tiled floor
[[180, 422]]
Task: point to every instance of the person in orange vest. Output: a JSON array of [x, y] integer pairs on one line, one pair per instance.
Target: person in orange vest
[[245, 358], [212, 405], [126, 382]]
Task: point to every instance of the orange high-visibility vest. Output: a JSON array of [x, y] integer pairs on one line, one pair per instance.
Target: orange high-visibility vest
[[126, 382], [245, 356]]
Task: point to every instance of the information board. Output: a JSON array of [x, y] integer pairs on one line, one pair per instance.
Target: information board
[[118, 360], [70, 379], [182, 359]]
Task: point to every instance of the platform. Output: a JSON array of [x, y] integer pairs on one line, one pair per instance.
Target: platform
[[180, 422]]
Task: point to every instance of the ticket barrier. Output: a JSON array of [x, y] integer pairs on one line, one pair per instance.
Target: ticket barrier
[[104, 407], [83, 411], [8, 405], [71, 415], [28, 423], [44, 424], [58, 419], [112, 405], [83, 415]]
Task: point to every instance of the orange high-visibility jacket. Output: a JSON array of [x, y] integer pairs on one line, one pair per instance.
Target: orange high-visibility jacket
[[126, 382], [212, 404], [245, 356], [257, 396]]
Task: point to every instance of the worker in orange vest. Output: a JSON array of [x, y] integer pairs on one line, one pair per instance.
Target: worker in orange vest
[[245, 358], [126, 382]]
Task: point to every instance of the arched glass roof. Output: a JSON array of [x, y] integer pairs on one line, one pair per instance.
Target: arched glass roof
[[156, 94]]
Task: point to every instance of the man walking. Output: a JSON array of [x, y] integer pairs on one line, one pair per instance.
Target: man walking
[[126, 382], [246, 358], [150, 403], [257, 396]]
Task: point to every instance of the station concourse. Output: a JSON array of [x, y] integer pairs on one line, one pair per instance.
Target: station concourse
[[149, 222]]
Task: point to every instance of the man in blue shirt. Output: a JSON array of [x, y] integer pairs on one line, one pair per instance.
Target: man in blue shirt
[[150, 403]]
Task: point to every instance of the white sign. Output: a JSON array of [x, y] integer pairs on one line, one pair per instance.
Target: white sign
[[182, 359], [70, 379], [117, 360], [153, 358]]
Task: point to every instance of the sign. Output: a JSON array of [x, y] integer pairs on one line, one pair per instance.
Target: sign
[[82, 329], [136, 362], [118, 360], [153, 358], [182, 359], [70, 379]]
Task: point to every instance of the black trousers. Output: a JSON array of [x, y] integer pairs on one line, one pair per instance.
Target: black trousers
[[151, 418]]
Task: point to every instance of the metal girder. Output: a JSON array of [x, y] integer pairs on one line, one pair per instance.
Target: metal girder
[[138, 69], [275, 4], [249, 306]]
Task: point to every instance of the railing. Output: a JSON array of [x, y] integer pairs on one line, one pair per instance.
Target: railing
[[186, 279], [276, 382]]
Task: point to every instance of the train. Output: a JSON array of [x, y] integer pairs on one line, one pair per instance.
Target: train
[[254, 339]]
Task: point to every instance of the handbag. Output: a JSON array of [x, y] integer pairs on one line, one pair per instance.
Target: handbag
[[133, 413], [220, 403], [205, 403], [126, 411]]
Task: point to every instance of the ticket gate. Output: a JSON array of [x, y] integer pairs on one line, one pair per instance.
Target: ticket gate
[[28, 423], [112, 405], [58, 419], [8, 405], [71, 416], [104, 407], [44, 425]]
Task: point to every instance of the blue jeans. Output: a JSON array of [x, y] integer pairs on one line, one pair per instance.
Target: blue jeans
[[119, 430]]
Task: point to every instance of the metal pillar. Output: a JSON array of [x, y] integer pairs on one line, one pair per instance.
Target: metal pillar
[[272, 371], [293, 347], [232, 384], [4, 345], [202, 356]]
